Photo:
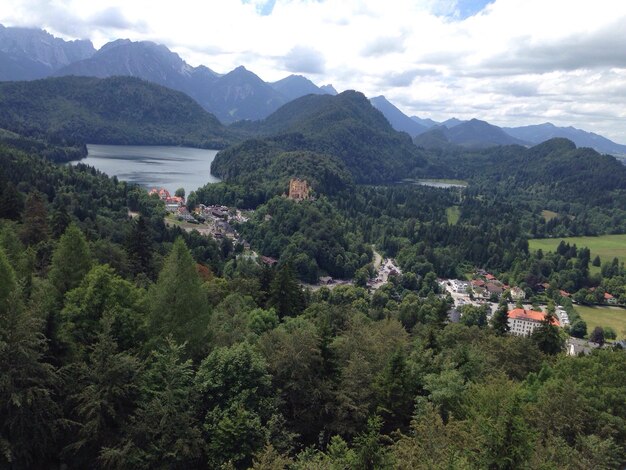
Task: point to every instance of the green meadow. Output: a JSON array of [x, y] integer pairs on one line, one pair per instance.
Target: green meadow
[[615, 317], [606, 246]]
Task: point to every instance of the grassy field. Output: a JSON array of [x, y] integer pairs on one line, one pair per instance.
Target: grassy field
[[615, 317], [453, 214], [606, 246]]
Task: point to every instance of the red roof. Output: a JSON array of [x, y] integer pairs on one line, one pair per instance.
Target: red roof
[[478, 282], [268, 260], [607, 296], [490, 277], [564, 293], [532, 315]]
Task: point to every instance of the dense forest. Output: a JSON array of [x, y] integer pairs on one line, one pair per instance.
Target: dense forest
[[127, 343], [119, 110], [345, 126]]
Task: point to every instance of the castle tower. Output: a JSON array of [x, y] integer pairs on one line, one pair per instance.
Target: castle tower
[[298, 189]]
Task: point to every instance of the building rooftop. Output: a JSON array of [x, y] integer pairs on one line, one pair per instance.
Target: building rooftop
[[531, 315]]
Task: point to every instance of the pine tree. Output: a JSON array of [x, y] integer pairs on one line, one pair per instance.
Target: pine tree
[[71, 261], [237, 400], [163, 432], [11, 202], [107, 388], [500, 319], [28, 413], [178, 303], [547, 335], [285, 294], [35, 227], [395, 393], [139, 248], [101, 293], [60, 221]]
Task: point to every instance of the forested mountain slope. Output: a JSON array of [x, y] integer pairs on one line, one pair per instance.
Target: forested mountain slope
[[118, 110], [345, 126]]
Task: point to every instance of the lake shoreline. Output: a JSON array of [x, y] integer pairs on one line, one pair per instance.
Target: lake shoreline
[[151, 166]]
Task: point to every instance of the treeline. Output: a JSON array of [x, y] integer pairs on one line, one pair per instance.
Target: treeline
[[586, 190]]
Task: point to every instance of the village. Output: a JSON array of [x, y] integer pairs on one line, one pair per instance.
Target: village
[[213, 220], [217, 221], [483, 289]]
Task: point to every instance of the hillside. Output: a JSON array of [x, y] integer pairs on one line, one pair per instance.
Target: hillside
[[295, 86], [542, 132], [398, 120], [554, 170], [473, 134], [240, 94], [345, 126], [119, 110]]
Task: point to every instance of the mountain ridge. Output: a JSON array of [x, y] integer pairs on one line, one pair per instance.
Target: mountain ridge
[[115, 110], [345, 126]]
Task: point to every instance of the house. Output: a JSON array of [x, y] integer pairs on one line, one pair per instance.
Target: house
[[268, 260], [563, 293], [326, 280], [458, 286], [609, 299], [481, 292], [563, 316], [523, 322], [493, 289], [490, 277], [478, 283], [517, 293]]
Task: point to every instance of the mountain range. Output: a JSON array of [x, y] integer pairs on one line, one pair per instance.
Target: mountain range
[[237, 95], [27, 54], [481, 134]]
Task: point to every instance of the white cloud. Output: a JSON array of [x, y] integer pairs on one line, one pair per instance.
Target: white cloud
[[514, 62]]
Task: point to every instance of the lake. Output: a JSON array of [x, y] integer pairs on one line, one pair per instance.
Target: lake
[[154, 166], [437, 183]]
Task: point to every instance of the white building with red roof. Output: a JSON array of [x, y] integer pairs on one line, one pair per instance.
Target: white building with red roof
[[523, 322]]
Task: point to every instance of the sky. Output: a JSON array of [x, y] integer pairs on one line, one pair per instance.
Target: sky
[[509, 62]]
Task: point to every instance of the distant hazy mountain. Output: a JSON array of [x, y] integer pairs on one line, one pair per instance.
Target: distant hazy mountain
[[345, 127], [470, 134], [434, 138], [146, 60], [27, 54], [237, 95], [425, 122], [477, 134], [398, 120], [452, 122], [542, 132], [240, 94], [295, 86], [117, 110], [329, 89]]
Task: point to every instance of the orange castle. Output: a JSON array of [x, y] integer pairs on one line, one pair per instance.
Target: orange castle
[[298, 189]]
